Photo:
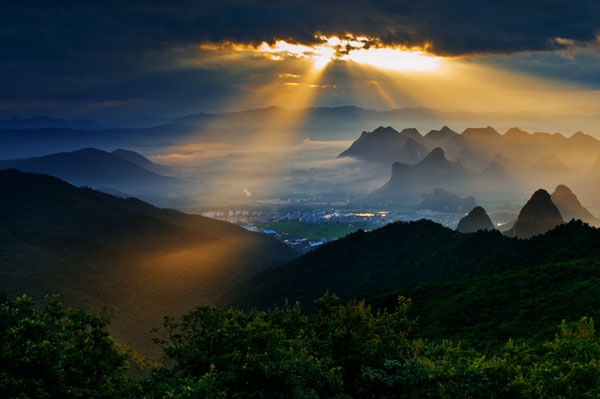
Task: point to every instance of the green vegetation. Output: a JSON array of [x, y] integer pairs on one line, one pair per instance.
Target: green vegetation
[[402, 255], [58, 353], [526, 303], [314, 231], [343, 350], [95, 250], [481, 321]]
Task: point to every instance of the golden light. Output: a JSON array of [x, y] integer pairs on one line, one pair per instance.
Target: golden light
[[394, 59], [353, 49], [321, 55]]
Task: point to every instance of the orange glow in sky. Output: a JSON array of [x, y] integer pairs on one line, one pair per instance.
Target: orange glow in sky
[[356, 49]]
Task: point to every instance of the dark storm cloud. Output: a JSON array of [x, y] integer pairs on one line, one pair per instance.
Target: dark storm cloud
[[59, 29], [92, 51]]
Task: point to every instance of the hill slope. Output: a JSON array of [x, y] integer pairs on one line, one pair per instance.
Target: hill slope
[[400, 255], [96, 168], [140, 160], [95, 249], [526, 303]]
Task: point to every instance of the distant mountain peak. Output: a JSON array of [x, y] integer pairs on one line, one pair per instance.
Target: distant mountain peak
[[385, 130], [515, 132], [386, 145], [412, 133], [480, 132], [475, 220], [445, 131], [538, 216], [435, 156], [569, 206]]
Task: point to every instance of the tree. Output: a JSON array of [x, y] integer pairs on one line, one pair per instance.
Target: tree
[[54, 352]]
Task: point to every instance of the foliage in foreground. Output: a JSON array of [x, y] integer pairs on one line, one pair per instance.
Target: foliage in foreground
[[344, 350], [58, 353]]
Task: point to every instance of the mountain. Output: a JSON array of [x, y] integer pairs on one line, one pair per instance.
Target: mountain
[[412, 153], [476, 220], [402, 255], [538, 216], [97, 250], [439, 138], [140, 160], [385, 145], [434, 171], [95, 168], [441, 200], [412, 133], [570, 207], [474, 140]]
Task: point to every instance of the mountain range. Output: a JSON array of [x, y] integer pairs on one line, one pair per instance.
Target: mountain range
[[123, 170], [386, 145], [477, 161], [96, 250], [480, 145], [41, 135], [434, 171]]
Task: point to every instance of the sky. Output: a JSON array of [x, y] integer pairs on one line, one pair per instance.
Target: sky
[[146, 62]]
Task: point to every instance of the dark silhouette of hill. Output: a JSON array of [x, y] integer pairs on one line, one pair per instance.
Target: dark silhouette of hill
[[95, 168], [570, 207], [140, 160], [538, 216], [525, 303], [434, 171], [98, 250], [386, 145], [475, 220], [401, 255], [440, 200]]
